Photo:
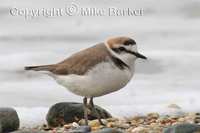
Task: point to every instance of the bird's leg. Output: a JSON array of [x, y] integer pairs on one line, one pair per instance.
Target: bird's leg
[[95, 111], [85, 110]]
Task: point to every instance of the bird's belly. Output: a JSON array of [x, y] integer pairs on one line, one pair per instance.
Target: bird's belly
[[103, 79]]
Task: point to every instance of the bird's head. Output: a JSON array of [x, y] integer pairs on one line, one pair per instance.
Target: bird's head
[[124, 48]]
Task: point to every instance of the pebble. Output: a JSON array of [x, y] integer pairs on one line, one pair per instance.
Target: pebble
[[109, 130], [153, 115], [74, 124], [94, 123], [68, 126], [139, 130], [67, 112], [9, 120], [80, 129], [182, 128]]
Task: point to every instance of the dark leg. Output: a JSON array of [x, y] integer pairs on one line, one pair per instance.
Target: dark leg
[[95, 111], [85, 110]]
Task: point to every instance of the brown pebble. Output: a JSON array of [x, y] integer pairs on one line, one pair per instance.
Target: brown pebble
[[67, 126]]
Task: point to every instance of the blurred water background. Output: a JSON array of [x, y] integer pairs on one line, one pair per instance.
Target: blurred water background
[[167, 33]]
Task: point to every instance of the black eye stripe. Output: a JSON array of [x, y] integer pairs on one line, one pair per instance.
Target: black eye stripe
[[129, 42], [122, 48]]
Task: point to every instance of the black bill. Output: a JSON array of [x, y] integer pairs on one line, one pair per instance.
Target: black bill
[[140, 55], [137, 54]]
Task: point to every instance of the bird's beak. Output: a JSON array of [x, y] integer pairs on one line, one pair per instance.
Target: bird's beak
[[140, 56]]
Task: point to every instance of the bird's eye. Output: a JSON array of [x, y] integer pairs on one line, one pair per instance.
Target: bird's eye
[[119, 50], [126, 43], [129, 42]]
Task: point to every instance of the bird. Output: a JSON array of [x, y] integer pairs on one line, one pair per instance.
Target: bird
[[96, 71]]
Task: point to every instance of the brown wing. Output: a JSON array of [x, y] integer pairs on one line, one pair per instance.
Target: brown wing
[[82, 61]]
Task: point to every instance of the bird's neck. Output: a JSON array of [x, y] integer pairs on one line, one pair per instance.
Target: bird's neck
[[129, 60]]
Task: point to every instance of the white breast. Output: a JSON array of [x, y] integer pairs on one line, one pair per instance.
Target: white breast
[[104, 78]]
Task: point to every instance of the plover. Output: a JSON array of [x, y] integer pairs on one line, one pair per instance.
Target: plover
[[96, 71]]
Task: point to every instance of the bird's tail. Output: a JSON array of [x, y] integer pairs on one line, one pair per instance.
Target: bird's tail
[[40, 68]]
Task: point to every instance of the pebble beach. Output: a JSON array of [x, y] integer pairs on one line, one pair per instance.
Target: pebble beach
[[151, 123]]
